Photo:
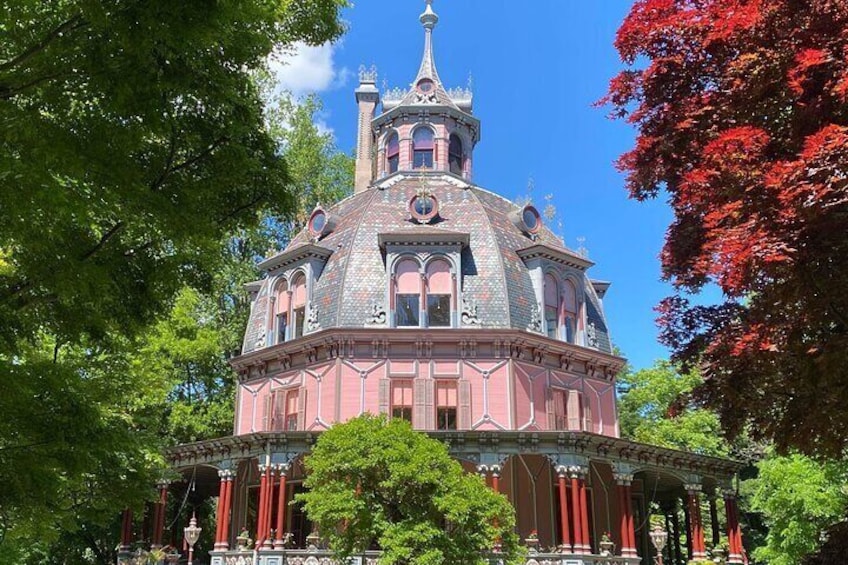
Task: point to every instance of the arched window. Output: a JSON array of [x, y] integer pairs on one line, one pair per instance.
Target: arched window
[[392, 153], [407, 294], [439, 293], [569, 303], [455, 155], [422, 148], [551, 306], [298, 317], [281, 312]]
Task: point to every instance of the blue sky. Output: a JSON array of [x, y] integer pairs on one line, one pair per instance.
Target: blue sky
[[537, 67]]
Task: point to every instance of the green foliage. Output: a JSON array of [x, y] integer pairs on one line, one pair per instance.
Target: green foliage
[[799, 498], [653, 409], [373, 480], [134, 142]]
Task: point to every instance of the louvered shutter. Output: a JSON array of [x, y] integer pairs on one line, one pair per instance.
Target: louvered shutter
[[574, 410], [383, 395], [419, 398], [266, 413], [590, 422], [429, 404], [550, 408], [301, 409], [464, 405]]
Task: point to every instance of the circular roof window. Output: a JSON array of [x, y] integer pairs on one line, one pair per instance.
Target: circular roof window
[[424, 207], [318, 223], [425, 86], [531, 219]]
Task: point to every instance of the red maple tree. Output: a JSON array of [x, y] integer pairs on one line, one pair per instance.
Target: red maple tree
[[741, 108]]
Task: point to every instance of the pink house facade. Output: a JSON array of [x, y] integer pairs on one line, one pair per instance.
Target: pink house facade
[[426, 297]]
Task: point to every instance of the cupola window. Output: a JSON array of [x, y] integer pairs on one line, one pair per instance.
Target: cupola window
[[408, 294], [298, 320], [551, 306], [422, 148], [455, 155], [281, 312], [439, 294], [392, 153]]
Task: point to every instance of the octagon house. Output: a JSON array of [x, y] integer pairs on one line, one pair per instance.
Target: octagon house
[[426, 297]]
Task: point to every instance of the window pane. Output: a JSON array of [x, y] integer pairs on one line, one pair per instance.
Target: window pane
[[394, 161], [408, 309], [455, 164], [423, 159], [422, 138], [299, 320], [551, 321], [282, 322], [446, 418], [402, 413], [438, 310]]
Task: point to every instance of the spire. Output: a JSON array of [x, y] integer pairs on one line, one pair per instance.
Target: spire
[[428, 19]]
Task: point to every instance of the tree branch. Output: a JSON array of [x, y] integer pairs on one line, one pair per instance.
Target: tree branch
[[241, 209], [71, 24], [113, 231]]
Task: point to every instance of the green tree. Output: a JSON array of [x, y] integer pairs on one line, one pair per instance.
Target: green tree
[[133, 143], [653, 409], [377, 480], [799, 499]]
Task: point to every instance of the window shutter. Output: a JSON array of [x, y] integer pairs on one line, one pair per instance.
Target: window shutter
[[266, 415], [429, 404], [573, 410], [550, 408], [419, 416], [464, 405], [279, 414], [301, 409], [590, 422], [385, 389]]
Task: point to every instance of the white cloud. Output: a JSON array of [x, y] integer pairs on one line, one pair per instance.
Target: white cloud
[[305, 69]]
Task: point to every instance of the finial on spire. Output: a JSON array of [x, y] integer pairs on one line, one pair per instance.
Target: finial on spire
[[429, 19]]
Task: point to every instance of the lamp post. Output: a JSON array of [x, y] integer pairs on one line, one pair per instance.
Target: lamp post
[[658, 538], [192, 534]]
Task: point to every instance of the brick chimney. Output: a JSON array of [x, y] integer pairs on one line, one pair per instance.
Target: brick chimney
[[367, 98]]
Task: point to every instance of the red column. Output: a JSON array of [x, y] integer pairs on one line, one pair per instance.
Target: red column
[[565, 547], [159, 514], [584, 516], [219, 521], [696, 528], [628, 533], [281, 507], [126, 530], [734, 540], [269, 507], [575, 510], [225, 510], [264, 471]]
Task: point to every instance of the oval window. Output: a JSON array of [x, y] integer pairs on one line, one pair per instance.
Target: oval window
[[531, 219], [424, 207]]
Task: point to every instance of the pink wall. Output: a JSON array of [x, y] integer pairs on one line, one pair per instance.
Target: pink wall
[[504, 393]]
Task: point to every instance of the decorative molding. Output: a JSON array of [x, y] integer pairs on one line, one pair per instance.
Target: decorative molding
[[469, 313], [535, 324], [592, 335], [378, 315], [312, 323]]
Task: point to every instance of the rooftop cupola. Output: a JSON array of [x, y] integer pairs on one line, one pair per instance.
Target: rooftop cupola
[[424, 128]]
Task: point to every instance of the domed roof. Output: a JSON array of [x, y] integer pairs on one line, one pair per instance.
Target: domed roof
[[354, 279]]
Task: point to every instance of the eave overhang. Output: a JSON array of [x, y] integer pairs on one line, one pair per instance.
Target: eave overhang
[[293, 255], [423, 237], [555, 254], [386, 118]]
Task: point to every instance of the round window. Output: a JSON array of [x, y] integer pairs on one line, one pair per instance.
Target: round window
[[423, 207], [532, 220], [318, 222], [425, 85]]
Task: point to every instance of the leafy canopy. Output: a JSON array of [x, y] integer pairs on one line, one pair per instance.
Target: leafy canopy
[[133, 142], [741, 108], [376, 480]]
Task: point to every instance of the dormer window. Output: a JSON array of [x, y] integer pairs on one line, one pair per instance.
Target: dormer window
[[408, 294], [552, 305], [392, 153], [298, 299], [439, 294], [455, 155], [422, 148], [281, 312], [570, 311]]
